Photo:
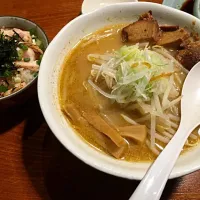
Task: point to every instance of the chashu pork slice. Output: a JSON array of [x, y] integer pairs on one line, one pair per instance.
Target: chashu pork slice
[[189, 56], [141, 31], [173, 37]]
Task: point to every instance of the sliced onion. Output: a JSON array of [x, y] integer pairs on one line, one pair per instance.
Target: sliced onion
[[129, 120], [110, 96], [153, 125], [172, 103], [153, 149]]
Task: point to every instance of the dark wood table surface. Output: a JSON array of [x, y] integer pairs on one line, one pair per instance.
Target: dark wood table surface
[[33, 164]]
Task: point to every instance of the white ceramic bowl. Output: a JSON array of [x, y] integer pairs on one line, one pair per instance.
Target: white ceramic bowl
[[51, 65]]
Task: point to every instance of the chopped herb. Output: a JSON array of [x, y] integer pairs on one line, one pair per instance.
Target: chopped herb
[[39, 43], [41, 46], [23, 47], [20, 54], [3, 88], [7, 73], [33, 31], [35, 74], [26, 59]]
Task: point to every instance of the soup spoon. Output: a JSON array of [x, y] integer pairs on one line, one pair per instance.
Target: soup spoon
[[154, 181]]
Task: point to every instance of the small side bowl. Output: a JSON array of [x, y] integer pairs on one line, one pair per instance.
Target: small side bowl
[[25, 24]]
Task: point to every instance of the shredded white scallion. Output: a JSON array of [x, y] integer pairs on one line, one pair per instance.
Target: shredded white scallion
[[129, 120], [153, 149], [153, 125], [101, 91], [146, 80]]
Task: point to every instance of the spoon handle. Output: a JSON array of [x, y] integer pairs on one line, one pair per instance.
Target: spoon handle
[[153, 183]]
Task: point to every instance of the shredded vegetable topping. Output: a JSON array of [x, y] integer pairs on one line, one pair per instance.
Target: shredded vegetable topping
[[146, 79], [136, 75]]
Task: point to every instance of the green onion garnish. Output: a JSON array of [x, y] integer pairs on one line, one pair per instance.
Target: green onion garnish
[[26, 59]]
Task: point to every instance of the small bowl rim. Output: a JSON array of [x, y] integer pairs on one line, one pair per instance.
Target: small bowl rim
[[35, 78]]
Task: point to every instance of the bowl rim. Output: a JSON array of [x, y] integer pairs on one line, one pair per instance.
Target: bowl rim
[[47, 41], [49, 118]]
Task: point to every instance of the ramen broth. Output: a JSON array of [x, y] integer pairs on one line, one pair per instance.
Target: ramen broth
[[73, 87]]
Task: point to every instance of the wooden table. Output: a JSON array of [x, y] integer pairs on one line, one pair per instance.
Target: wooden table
[[33, 164]]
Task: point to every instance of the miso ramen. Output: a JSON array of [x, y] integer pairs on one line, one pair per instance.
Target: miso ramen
[[120, 87]]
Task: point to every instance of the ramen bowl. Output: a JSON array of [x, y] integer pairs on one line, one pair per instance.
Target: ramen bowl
[[49, 75]]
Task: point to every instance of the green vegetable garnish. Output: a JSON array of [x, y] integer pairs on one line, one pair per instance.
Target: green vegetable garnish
[[20, 54], [7, 73], [23, 47], [132, 74], [3, 88], [35, 74], [33, 31], [26, 59], [38, 42]]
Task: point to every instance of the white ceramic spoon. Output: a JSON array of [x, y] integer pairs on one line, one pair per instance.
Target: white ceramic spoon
[[153, 183], [91, 5]]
